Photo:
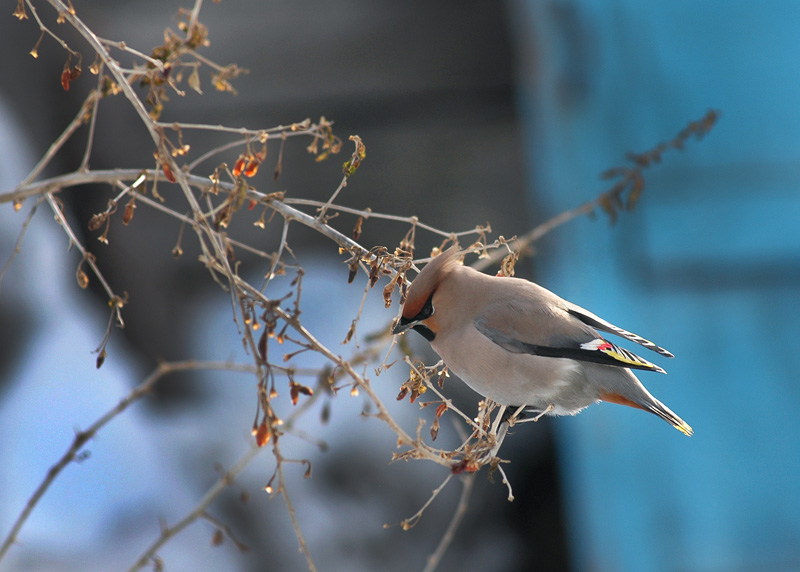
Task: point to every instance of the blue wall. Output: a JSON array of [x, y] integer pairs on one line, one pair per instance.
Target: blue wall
[[708, 266]]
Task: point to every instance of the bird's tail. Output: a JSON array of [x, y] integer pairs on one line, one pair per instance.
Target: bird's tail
[[620, 385], [669, 416], [649, 403]]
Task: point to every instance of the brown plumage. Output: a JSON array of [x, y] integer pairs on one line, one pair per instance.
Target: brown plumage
[[521, 345]]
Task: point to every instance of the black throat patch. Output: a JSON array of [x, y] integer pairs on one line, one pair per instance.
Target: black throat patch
[[426, 332]]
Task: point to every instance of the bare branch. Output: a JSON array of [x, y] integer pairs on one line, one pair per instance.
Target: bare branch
[[198, 511], [82, 437], [468, 482]]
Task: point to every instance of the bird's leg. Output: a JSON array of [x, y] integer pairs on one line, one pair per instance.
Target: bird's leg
[[539, 415], [547, 410]]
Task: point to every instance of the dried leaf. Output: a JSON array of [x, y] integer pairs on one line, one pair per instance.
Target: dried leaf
[[608, 207], [83, 278], [360, 153], [168, 172], [35, 49], [389, 290], [128, 215], [65, 79], [217, 538], [223, 218], [507, 266], [238, 167], [69, 74], [252, 168], [374, 274], [350, 333], [263, 434], [262, 347], [279, 162], [97, 221], [435, 426], [435, 429], [101, 358], [94, 69], [357, 228], [354, 263], [20, 13], [194, 81], [636, 191]]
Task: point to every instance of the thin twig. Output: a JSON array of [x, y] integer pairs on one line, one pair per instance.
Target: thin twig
[[195, 14], [293, 516], [225, 529], [122, 46], [18, 245], [73, 239], [284, 207], [435, 558], [277, 257], [412, 521], [323, 209], [198, 511], [56, 146], [92, 120], [382, 216], [48, 31]]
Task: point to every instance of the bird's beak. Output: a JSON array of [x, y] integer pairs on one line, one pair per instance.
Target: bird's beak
[[403, 325]]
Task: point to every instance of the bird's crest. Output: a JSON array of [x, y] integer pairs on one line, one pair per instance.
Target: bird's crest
[[429, 278]]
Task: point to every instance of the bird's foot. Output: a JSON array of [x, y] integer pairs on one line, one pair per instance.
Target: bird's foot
[[513, 416]]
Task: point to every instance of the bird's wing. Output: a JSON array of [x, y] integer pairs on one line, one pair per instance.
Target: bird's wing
[[574, 344], [596, 322]]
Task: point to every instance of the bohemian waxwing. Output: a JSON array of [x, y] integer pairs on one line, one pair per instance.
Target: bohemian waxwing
[[519, 344]]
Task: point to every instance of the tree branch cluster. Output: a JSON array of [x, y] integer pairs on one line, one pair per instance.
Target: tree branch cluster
[[215, 195]]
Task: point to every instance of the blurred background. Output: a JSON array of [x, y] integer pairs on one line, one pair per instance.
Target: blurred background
[[471, 113]]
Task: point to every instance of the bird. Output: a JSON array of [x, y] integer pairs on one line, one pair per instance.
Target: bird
[[520, 345]]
